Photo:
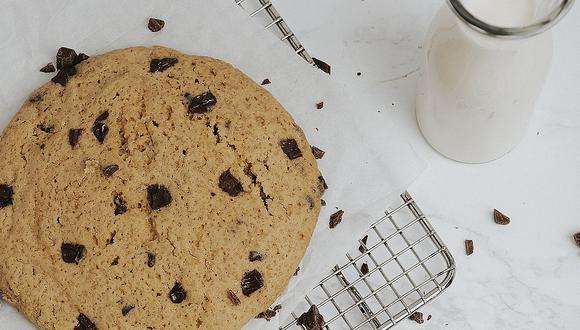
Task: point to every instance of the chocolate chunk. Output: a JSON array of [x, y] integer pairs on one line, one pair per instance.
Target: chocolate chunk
[[364, 268], [468, 247], [73, 136], [500, 218], [576, 238], [151, 257], [45, 128], [161, 64], [290, 148], [255, 256], [65, 57], [266, 82], [322, 202], [177, 293], [120, 205], [63, 76], [318, 153], [102, 117], [158, 196], [251, 282], [81, 57], [6, 193], [109, 170], [126, 309], [267, 315], [363, 247], [155, 24], [320, 105], [335, 219], [233, 298], [48, 68], [321, 65], [230, 184], [417, 317], [72, 253], [100, 130], [322, 186], [84, 323], [201, 103], [311, 320]]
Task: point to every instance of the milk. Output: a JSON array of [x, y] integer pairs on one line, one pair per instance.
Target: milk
[[477, 92]]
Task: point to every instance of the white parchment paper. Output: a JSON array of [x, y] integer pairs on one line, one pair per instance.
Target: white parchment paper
[[363, 169]]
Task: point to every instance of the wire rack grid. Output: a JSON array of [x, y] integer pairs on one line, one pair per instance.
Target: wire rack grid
[[397, 267]]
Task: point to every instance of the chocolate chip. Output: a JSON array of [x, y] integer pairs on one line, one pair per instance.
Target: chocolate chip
[[151, 257], [48, 68], [201, 103], [162, 64], [109, 170], [115, 261], [100, 130], [45, 128], [296, 271], [74, 135], [255, 256], [84, 323], [468, 247], [126, 309], [277, 308], [177, 293], [500, 218], [320, 105], [65, 57], [233, 298], [364, 268], [102, 117], [335, 219], [321, 65], [35, 98], [158, 196], [290, 148], [322, 202], [266, 82], [322, 186], [6, 193], [318, 153], [267, 315], [63, 76], [417, 317], [230, 184], [251, 282], [155, 24], [120, 205], [72, 253], [311, 320], [363, 247], [81, 57]]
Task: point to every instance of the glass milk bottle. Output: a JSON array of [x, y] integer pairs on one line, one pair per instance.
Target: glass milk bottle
[[485, 64]]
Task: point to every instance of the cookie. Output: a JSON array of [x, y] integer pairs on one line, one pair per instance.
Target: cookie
[[170, 192]]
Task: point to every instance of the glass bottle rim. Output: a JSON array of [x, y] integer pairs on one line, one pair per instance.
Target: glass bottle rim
[[510, 32]]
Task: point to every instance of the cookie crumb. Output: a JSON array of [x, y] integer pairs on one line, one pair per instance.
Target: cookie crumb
[[317, 152], [267, 315], [417, 317], [468, 247]]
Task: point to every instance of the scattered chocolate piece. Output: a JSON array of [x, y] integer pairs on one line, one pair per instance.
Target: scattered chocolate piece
[[6, 193], [201, 103], [84, 323], [322, 202], [363, 247], [267, 315], [296, 271], [72, 253], [321, 65], [109, 170], [322, 186], [73, 136], [266, 82], [277, 308], [320, 105], [81, 57], [255, 256], [102, 117], [127, 309], [230, 184], [115, 261], [62, 77], [500, 218], [120, 205], [151, 257], [318, 153], [417, 317], [429, 317], [155, 24], [251, 282], [233, 298], [364, 268], [468, 247], [48, 68], [161, 64], [65, 57], [158, 196], [576, 236], [100, 130], [358, 73], [335, 219], [35, 98], [248, 172], [177, 293], [290, 148], [311, 320], [45, 128]]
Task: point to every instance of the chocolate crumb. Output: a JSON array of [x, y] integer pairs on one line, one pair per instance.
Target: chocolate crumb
[[500, 218], [102, 117], [233, 298], [417, 317], [109, 170], [161, 64], [320, 105], [318, 153], [277, 308], [65, 57], [296, 271], [311, 320], [6, 193], [266, 82], [177, 294], [322, 202], [335, 219], [364, 268], [48, 68], [158, 196], [230, 184], [151, 257], [322, 186], [429, 317], [255, 256], [321, 65], [290, 148], [363, 247], [358, 74], [468, 247], [155, 24], [576, 238], [35, 98], [251, 282], [126, 309], [267, 315], [72, 253], [84, 323]]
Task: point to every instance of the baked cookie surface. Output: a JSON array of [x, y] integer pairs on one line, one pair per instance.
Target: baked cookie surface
[[152, 190]]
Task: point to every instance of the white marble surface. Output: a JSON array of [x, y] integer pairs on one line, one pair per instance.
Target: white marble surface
[[525, 275]]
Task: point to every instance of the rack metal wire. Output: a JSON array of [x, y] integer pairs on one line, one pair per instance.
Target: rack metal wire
[[399, 266]]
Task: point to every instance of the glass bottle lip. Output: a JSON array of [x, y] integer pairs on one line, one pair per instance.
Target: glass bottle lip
[[510, 32]]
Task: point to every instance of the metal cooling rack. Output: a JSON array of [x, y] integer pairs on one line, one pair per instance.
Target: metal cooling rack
[[399, 266]]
